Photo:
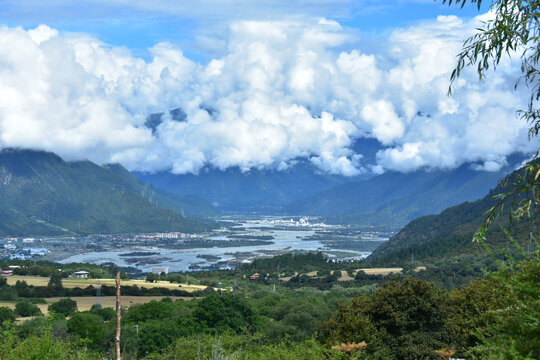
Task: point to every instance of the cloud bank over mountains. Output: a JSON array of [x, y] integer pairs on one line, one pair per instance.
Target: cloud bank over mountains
[[282, 91]]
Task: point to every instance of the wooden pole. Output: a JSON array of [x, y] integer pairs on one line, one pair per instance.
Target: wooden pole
[[118, 317]]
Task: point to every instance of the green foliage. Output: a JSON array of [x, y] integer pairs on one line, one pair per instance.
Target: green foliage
[[87, 326], [25, 309], [295, 319], [8, 293], [153, 310], [106, 314], [234, 347], [471, 312], [157, 335], [65, 307], [296, 262], [514, 332], [226, 313], [6, 314], [401, 320], [38, 348], [428, 238], [55, 281]]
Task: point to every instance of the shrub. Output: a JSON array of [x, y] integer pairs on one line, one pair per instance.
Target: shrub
[[25, 309]]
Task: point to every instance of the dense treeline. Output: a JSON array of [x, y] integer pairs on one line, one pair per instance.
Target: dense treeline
[[48, 268]]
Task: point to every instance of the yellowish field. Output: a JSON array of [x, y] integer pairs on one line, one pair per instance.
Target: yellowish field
[[82, 283], [380, 271], [371, 271], [345, 276], [85, 303]]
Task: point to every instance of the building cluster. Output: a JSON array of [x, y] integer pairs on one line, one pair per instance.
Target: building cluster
[[161, 236], [17, 248], [304, 221]]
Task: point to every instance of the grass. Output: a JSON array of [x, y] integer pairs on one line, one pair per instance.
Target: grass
[[82, 283]]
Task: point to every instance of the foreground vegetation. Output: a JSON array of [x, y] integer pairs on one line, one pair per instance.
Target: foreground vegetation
[[398, 317]]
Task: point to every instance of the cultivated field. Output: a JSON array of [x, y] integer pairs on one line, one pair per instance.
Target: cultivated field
[[82, 283], [368, 271], [85, 303], [381, 271]]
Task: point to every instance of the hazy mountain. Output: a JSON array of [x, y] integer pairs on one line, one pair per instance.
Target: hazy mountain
[[186, 205], [256, 190], [393, 199], [450, 233], [42, 194]]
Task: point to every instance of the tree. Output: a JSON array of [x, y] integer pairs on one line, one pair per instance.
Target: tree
[[87, 326], [151, 277], [401, 320], [55, 281], [226, 313], [25, 309], [66, 307], [6, 314]]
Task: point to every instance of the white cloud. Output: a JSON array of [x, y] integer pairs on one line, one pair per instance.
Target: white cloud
[[281, 92]]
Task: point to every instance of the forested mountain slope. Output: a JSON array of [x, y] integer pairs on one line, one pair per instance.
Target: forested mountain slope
[[450, 233], [187, 205], [43, 195]]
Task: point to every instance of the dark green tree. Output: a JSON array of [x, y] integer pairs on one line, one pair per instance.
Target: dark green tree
[[226, 313], [6, 314], [66, 307], [55, 281], [87, 326], [401, 320], [25, 309]]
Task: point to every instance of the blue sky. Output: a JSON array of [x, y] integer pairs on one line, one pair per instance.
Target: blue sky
[[139, 25]]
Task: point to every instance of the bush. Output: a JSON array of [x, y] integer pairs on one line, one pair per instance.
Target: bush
[[87, 326], [25, 309], [6, 314], [66, 307], [401, 320], [37, 347], [106, 314], [226, 313]]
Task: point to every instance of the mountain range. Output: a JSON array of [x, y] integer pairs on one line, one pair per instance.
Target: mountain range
[[388, 200], [394, 199], [44, 195]]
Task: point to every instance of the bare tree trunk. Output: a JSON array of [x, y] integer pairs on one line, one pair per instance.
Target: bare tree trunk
[[118, 316]]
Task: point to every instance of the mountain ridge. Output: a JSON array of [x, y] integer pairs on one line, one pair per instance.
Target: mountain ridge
[[44, 195], [450, 232], [397, 198]]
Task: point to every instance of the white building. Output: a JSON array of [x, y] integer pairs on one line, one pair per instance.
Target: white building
[[81, 274], [160, 269]]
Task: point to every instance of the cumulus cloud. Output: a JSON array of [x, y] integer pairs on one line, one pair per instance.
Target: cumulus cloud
[[282, 91]]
